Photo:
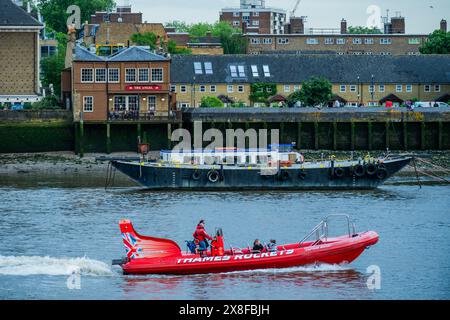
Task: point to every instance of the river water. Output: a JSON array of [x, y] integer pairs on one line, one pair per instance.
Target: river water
[[49, 230]]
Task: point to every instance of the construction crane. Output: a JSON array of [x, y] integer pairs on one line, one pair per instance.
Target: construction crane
[[295, 8]]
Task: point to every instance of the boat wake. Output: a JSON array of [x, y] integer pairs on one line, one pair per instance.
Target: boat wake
[[35, 265], [301, 269]]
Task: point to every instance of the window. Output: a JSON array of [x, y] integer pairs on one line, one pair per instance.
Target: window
[[100, 75], [173, 88], [255, 71], [381, 88], [133, 103], [371, 88], [120, 103], [385, 41], [114, 75], [385, 53], [287, 88], [414, 41], [213, 89], [241, 71], [368, 41], [399, 88], [208, 68], [233, 70], [256, 14], [283, 41], [143, 75], [130, 75], [87, 75], [427, 88], [240, 88], [88, 104], [312, 41], [255, 41], [230, 88], [329, 41], [198, 68], [296, 88], [184, 105], [236, 14], [157, 75], [343, 88], [369, 53], [437, 88], [340, 41], [266, 71], [236, 23], [255, 23], [202, 88], [267, 41], [352, 88], [151, 103], [357, 41], [408, 88], [183, 89]]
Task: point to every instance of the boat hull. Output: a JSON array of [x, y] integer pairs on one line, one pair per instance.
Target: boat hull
[[334, 251], [322, 176]]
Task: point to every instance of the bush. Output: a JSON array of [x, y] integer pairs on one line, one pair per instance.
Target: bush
[[239, 104], [47, 103], [211, 102]]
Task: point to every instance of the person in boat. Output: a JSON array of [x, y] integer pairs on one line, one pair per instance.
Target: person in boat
[[257, 246], [201, 237], [272, 246]]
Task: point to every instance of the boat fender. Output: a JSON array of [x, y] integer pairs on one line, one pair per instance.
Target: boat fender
[[359, 170], [382, 172], [371, 169], [196, 175], [302, 175], [213, 176], [339, 172]]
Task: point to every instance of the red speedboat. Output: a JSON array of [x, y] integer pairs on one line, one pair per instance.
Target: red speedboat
[[149, 255]]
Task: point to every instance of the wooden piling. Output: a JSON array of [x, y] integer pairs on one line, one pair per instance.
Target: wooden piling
[[108, 138]]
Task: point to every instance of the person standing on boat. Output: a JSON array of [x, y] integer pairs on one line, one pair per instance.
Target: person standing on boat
[[201, 236]]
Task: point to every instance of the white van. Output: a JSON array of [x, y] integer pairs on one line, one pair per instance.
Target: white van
[[430, 104]]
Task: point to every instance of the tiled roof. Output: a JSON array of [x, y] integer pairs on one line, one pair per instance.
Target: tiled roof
[[13, 16], [132, 54], [298, 68]]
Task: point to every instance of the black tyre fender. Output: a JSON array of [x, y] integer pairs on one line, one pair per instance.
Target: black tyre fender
[[285, 175], [213, 176], [382, 172], [197, 175], [371, 169], [359, 170], [339, 172]]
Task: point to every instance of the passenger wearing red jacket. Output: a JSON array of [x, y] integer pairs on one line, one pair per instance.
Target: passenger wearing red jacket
[[201, 236]]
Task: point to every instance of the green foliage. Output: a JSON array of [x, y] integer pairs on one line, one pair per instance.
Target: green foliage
[[52, 67], [438, 43], [316, 91], [239, 104], [293, 98], [145, 39], [230, 38], [211, 102], [172, 48], [261, 92], [47, 103], [363, 30], [55, 16]]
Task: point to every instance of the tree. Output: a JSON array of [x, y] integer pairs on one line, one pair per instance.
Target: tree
[[211, 102], [261, 92], [145, 39], [173, 49], [316, 91], [55, 16], [438, 43], [294, 98], [52, 66], [234, 44], [363, 30]]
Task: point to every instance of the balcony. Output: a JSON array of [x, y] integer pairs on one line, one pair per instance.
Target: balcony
[[136, 116]]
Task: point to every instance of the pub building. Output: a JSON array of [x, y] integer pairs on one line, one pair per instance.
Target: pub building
[[133, 84]]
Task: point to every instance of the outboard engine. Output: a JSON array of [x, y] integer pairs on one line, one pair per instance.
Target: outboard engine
[[217, 246]]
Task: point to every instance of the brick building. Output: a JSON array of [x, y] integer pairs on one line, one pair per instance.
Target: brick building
[[19, 54], [367, 80], [199, 45], [130, 85], [123, 14], [307, 41], [253, 17]]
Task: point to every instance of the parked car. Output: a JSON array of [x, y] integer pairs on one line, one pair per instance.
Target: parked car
[[430, 104]]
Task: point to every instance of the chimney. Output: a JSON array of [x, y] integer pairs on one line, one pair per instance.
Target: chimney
[[71, 40], [444, 25], [344, 26]]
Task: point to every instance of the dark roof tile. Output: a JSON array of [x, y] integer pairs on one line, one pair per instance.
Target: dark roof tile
[[13, 16]]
